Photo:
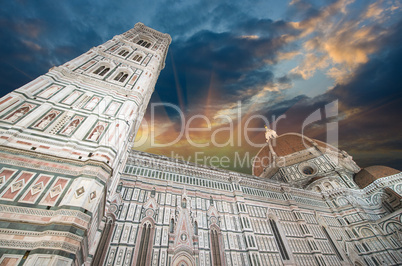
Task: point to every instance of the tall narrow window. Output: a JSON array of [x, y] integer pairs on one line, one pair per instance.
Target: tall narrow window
[[332, 243], [171, 226], [104, 71], [144, 245], [196, 228], [137, 58], [184, 203], [216, 254], [121, 77], [279, 241], [99, 70], [103, 242]]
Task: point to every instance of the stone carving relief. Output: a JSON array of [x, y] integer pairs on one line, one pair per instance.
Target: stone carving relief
[[19, 113], [72, 126], [96, 133], [46, 120]]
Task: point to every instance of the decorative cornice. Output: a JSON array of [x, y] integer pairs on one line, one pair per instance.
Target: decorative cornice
[[41, 234], [62, 70], [53, 158], [140, 25], [45, 213], [45, 244]]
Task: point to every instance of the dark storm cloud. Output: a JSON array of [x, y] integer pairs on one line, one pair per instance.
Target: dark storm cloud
[[36, 37], [267, 28], [229, 62]]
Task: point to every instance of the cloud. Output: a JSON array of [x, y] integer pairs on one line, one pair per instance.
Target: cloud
[[223, 53], [338, 36], [370, 105]]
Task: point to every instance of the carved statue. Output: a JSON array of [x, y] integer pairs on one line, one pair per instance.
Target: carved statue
[[270, 133]]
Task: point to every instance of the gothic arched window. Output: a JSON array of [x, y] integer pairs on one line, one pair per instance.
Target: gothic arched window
[[137, 58], [99, 69], [171, 226], [144, 244], [279, 241], [104, 71], [123, 52], [184, 203], [215, 249], [143, 43], [332, 243], [121, 77], [196, 228], [104, 241]]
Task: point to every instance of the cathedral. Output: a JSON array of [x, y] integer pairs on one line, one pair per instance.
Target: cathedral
[[73, 192]]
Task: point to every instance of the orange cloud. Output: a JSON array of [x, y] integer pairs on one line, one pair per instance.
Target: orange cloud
[[338, 43]]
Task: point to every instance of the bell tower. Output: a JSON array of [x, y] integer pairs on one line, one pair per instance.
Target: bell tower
[[63, 139]]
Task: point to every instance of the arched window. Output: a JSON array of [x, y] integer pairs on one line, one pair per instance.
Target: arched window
[[333, 244], [121, 77], [144, 244], [215, 249], [143, 43], [104, 71], [104, 241], [119, 187], [137, 58], [196, 228], [279, 241], [99, 69], [171, 226], [184, 203], [122, 52]]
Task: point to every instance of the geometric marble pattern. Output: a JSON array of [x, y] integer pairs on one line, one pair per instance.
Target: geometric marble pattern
[[37, 188], [55, 191], [79, 192], [17, 185], [92, 196]]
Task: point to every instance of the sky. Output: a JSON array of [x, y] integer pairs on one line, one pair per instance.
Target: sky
[[330, 69]]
